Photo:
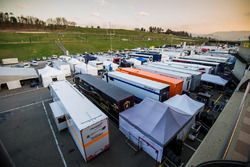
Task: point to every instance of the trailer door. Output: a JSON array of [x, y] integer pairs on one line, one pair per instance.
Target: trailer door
[[95, 139]]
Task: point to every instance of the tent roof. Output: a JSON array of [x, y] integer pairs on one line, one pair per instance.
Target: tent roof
[[215, 79], [156, 120], [74, 61], [49, 71], [16, 73], [184, 104]]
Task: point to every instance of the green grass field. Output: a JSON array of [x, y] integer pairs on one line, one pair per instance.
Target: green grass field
[[27, 46]]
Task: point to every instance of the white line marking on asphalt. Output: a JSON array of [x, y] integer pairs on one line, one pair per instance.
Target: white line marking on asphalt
[[54, 135], [24, 106], [13, 94], [185, 144], [199, 140]]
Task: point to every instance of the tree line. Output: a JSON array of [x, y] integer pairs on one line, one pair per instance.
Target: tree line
[[9, 20], [160, 30]]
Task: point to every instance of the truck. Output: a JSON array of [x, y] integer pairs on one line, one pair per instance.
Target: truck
[[196, 76], [187, 78], [109, 98], [138, 86], [175, 84], [87, 124]]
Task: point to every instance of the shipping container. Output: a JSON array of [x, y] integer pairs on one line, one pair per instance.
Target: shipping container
[[87, 124], [187, 78], [111, 99], [175, 84], [138, 86]]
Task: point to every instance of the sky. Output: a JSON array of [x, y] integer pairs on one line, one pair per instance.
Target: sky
[[194, 16]]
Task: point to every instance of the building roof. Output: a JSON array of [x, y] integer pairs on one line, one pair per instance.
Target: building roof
[[14, 73], [49, 71]]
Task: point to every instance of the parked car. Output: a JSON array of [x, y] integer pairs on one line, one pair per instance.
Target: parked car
[[54, 56], [44, 58], [49, 63], [19, 65], [26, 65], [34, 63]]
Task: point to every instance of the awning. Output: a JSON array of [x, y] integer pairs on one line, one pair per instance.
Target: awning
[[215, 79]]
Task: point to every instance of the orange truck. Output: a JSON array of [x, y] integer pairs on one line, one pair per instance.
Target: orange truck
[[175, 84]]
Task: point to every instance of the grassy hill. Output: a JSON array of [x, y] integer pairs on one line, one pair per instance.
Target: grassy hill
[[27, 45]]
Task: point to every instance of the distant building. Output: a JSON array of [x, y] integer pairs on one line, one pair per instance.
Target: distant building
[[9, 61]]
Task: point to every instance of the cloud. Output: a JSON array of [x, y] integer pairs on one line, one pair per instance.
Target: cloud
[[142, 13], [96, 14]]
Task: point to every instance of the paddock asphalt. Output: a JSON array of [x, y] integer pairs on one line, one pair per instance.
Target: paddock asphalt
[[28, 132], [28, 137]]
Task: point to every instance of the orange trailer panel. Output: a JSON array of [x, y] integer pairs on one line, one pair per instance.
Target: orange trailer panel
[[175, 84]]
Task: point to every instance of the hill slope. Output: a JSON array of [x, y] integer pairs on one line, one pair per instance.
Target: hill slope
[[27, 45], [230, 35]]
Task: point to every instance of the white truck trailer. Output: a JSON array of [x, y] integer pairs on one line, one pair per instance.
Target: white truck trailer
[[194, 67], [138, 86], [196, 76], [87, 124], [187, 78]]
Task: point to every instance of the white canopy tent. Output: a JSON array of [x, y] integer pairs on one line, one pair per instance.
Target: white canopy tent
[[48, 74], [185, 105], [83, 68], [215, 79], [110, 66], [72, 62]]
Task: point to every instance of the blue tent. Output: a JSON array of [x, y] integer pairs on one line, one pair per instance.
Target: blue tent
[[151, 125]]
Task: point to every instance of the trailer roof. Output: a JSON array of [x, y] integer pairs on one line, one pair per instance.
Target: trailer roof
[[8, 74], [174, 73], [150, 75], [197, 61], [110, 90], [59, 63], [165, 67], [182, 64], [146, 82], [82, 111]]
